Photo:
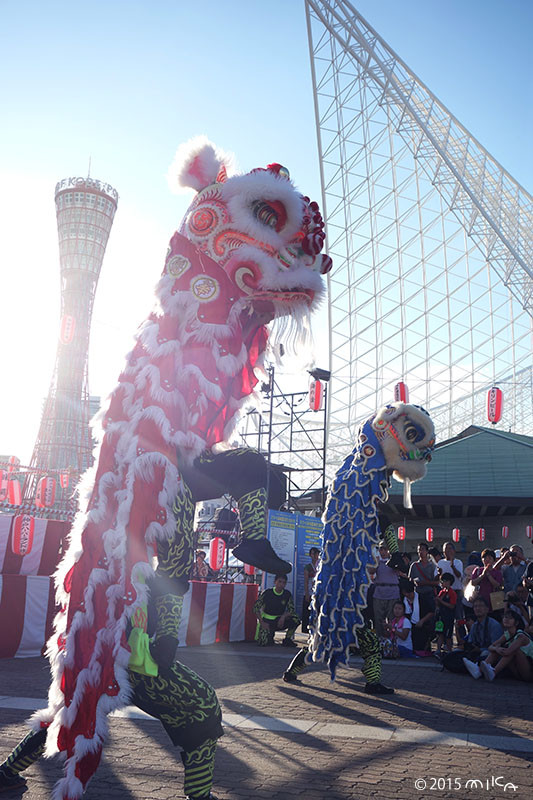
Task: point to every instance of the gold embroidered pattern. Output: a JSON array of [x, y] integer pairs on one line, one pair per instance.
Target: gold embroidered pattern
[[176, 556], [253, 513], [168, 609], [178, 698], [199, 764]]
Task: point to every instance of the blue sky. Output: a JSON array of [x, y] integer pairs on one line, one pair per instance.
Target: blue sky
[[125, 82]]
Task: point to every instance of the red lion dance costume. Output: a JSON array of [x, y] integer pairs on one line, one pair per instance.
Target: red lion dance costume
[[247, 253]]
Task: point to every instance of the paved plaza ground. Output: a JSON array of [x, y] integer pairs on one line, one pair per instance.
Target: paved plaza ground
[[439, 736]]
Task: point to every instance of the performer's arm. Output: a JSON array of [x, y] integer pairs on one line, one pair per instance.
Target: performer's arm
[[290, 607], [168, 609]]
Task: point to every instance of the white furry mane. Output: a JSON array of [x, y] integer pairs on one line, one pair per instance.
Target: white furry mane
[[197, 164]]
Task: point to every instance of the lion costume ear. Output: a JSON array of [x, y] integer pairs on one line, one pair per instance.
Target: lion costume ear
[[387, 414], [197, 164]]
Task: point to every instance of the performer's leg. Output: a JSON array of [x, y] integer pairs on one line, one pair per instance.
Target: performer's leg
[[371, 654], [175, 560], [305, 616], [199, 764], [395, 561], [291, 625], [189, 710], [242, 473], [296, 666], [265, 637], [176, 556], [22, 757], [253, 513]]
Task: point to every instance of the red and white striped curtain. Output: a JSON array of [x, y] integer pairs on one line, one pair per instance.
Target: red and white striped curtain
[[212, 612], [218, 612], [26, 614]]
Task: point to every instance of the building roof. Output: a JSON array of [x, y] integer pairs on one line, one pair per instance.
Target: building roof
[[482, 470]]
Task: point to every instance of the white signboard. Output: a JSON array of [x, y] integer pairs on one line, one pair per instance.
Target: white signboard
[[282, 537]]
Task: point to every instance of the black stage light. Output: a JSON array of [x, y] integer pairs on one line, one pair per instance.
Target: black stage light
[[320, 374]]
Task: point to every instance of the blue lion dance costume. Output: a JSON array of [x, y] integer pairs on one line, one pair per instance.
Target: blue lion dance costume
[[398, 440]]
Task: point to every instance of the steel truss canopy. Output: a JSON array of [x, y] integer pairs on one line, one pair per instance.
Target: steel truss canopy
[[431, 240]]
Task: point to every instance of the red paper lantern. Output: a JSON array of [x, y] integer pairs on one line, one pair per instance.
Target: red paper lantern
[[481, 534], [14, 493], [3, 485], [217, 551], [456, 534], [494, 405], [249, 569], [13, 463], [529, 531], [68, 326], [316, 395], [64, 478], [23, 528], [401, 392], [505, 532], [46, 492], [401, 533], [429, 534]]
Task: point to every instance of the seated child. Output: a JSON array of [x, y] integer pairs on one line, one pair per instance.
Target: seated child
[[513, 650], [446, 601], [399, 628]]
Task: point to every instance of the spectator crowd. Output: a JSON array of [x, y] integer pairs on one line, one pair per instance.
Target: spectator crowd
[[476, 618]]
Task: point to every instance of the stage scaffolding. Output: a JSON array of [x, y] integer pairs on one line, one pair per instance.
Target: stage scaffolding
[[292, 438]]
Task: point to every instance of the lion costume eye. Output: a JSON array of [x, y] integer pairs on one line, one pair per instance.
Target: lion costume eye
[[271, 214], [412, 432]]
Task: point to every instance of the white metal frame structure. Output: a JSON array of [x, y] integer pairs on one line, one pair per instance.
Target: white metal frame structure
[[431, 240]]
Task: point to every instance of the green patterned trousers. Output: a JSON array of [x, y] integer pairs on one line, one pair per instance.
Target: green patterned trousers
[[368, 647], [186, 705]]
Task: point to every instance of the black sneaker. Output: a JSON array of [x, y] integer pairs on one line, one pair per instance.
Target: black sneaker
[[378, 688], [289, 643], [260, 553], [9, 783], [290, 677], [204, 797]]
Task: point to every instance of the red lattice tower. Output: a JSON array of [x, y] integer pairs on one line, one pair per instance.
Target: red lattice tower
[[85, 209]]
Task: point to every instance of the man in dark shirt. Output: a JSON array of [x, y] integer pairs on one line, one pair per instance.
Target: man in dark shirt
[[423, 574], [514, 569], [482, 634], [274, 610]]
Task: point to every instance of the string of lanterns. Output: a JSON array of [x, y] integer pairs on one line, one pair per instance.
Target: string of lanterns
[[45, 495], [13, 465], [456, 533], [494, 400], [494, 414]]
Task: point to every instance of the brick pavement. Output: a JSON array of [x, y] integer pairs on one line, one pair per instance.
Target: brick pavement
[[399, 745]]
